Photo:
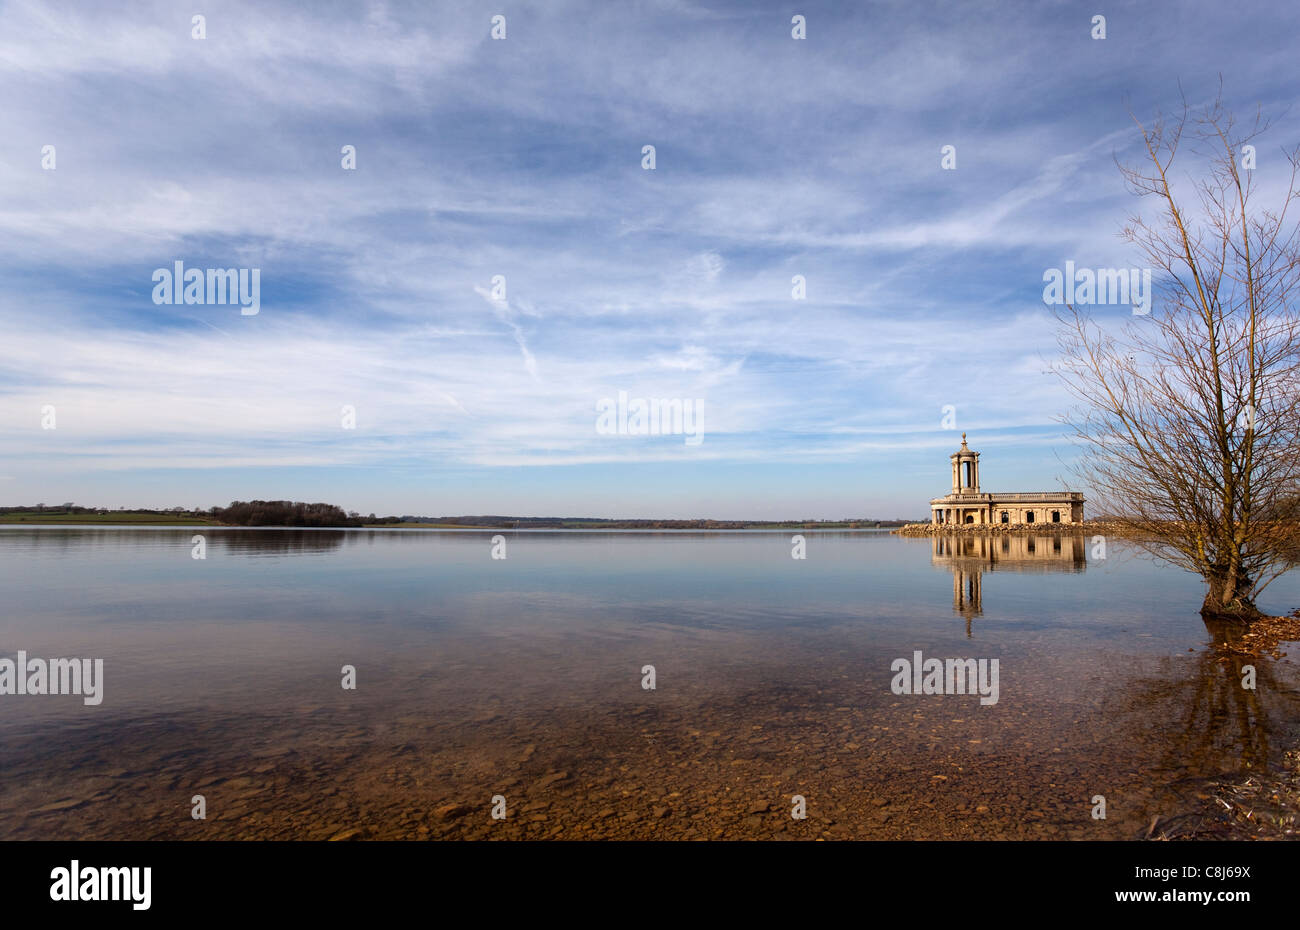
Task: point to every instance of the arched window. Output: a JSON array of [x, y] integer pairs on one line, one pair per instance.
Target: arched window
[[1029, 516], [1056, 516], [1005, 518]]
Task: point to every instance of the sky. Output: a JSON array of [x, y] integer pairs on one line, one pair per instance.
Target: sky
[[438, 326]]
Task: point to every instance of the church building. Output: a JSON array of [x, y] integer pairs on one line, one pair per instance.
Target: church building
[[967, 505]]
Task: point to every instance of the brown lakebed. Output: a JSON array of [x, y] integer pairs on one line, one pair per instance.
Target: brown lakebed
[[522, 678]]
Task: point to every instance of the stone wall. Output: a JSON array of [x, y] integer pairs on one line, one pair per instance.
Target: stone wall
[[1030, 529]]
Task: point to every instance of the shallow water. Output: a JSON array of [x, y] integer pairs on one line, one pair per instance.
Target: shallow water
[[522, 677]]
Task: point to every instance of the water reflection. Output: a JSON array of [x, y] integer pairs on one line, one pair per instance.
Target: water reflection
[[1218, 730], [279, 541], [479, 675], [269, 541], [969, 557], [1223, 719]]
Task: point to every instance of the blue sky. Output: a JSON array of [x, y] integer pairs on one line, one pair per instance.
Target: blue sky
[[522, 158]]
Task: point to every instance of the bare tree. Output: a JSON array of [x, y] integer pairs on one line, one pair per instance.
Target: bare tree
[[1189, 416]]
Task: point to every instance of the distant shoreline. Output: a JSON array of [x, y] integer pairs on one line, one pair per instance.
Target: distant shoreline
[[142, 518]]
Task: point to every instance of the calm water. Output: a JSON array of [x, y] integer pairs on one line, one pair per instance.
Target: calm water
[[522, 678]]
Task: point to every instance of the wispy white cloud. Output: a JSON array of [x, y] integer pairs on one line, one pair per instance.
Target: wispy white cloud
[[475, 158]]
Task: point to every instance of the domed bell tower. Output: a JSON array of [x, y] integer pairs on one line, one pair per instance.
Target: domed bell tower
[[965, 470]]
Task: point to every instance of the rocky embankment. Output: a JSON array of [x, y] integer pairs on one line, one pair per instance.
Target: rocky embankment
[[1087, 528]]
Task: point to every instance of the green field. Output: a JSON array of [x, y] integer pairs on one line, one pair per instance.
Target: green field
[[114, 517]]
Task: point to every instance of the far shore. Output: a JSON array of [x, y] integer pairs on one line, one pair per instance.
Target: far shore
[[144, 518]]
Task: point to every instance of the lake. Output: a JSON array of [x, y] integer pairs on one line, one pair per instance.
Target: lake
[[523, 678]]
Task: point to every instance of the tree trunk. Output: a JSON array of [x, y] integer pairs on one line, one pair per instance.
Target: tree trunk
[[1228, 599]]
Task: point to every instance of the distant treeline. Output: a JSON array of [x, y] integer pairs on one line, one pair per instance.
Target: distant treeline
[[292, 513], [61, 508], [298, 513], [73, 509]]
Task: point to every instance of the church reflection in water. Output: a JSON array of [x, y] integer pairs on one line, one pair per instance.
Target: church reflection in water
[[969, 557]]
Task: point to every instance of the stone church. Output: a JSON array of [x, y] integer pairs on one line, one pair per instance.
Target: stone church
[[967, 505]]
